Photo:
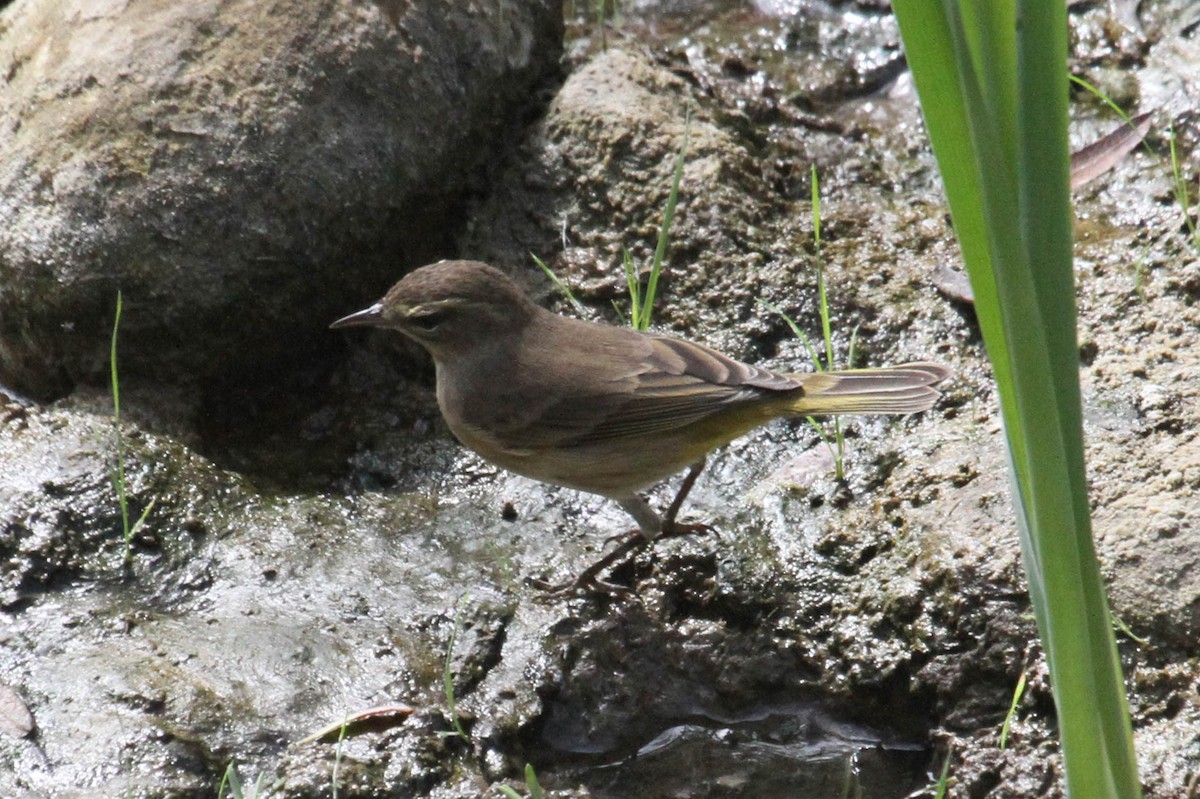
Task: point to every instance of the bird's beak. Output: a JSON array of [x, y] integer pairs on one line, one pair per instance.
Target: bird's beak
[[367, 317]]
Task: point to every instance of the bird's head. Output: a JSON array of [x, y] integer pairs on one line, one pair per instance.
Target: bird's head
[[449, 308]]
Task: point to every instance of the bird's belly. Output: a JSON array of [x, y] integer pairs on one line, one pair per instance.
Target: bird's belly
[[608, 470], [615, 468]]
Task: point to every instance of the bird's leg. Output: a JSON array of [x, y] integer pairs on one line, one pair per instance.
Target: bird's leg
[[669, 526], [650, 527]]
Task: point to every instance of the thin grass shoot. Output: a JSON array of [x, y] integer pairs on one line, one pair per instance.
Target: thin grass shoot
[[634, 286], [813, 355], [532, 787], [829, 441], [822, 293], [1120, 626], [560, 285], [1140, 268], [448, 678], [942, 787], [1180, 188], [1018, 692], [604, 10], [1104, 98], [838, 447], [334, 777], [128, 531], [119, 474], [230, 780], [641, 299]]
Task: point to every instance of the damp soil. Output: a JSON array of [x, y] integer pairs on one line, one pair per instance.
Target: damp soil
[[329, 548]]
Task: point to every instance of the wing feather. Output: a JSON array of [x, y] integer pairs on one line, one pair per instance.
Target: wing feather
[[677, 383]]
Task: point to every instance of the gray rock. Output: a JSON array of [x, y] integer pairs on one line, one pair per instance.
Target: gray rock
[[236, 169]]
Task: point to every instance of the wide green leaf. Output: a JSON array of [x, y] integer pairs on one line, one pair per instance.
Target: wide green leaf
[[992, 77]]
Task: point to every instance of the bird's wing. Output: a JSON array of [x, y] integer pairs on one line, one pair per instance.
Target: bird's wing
[[669, 384]]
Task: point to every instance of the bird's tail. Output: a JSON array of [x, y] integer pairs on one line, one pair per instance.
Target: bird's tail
[[907, 388]]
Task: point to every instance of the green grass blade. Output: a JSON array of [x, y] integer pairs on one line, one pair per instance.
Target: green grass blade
[[996, 111], [141, 520], [664, 230], [634, 285], [813, 355], [929, 49], [1103, 97], [531, 782], [230, 778], [1180, 188], [561, 286], [1018, 692], [335, 775], [112, 362], [1081, 648], [448, 677], [942, 787], [822, 294], [119, 471]]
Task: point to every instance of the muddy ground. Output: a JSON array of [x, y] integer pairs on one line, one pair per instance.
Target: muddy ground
[[318, 544]]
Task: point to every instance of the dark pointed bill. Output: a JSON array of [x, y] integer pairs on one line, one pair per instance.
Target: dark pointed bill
[[367, 317]]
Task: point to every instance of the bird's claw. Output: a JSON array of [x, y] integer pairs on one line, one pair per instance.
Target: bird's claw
[[583, 584], [677, 529], [590, 582]]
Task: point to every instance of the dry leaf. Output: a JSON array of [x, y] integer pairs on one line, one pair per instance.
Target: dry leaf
[[1100, 156], [383, 717]]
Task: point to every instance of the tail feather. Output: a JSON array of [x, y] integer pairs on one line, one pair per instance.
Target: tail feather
[[907, 388]]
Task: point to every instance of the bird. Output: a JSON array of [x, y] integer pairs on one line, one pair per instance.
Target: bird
[[604, 409]]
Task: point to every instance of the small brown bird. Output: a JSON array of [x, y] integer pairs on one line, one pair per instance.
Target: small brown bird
[[604, 409]]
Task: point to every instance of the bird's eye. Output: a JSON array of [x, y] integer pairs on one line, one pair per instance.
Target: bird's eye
[[427, 321]]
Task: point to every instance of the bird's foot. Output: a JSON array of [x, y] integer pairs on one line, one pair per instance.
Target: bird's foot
[[589, 580], [581, 585], [669, 530]]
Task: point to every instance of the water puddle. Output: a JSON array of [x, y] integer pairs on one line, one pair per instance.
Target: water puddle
[[790, 749]]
